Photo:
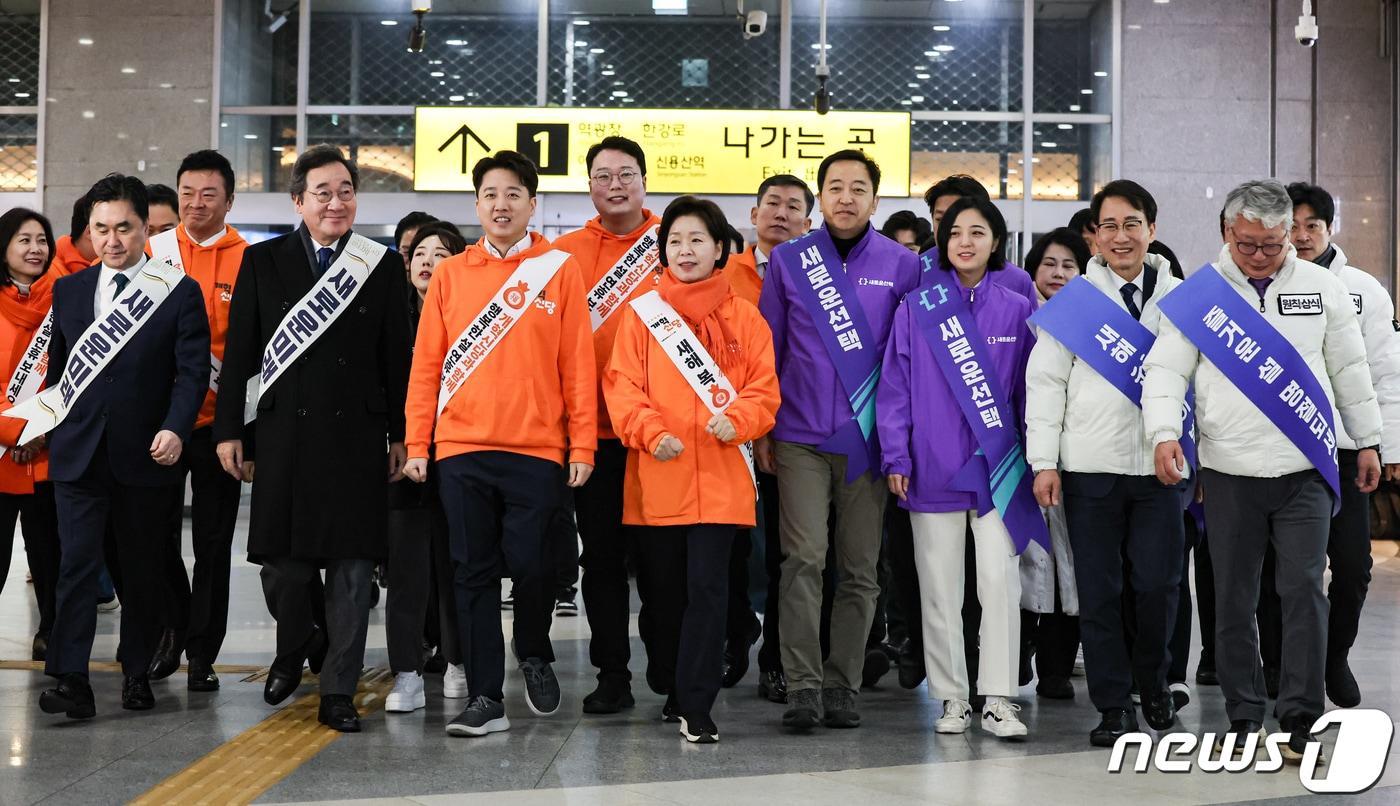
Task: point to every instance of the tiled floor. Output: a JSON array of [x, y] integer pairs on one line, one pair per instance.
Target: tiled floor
[[628, 759]]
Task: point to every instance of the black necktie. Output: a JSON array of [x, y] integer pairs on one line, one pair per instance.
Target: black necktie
[[323, 260], [1128, 290], [120, 281]]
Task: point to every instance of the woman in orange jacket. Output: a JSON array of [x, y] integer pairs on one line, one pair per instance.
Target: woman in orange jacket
[[26, 293], [690, 383]]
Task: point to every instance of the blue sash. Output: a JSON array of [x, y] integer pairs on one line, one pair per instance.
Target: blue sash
[[1109, 340], [997, 472], [819, 276], [1261, 363]]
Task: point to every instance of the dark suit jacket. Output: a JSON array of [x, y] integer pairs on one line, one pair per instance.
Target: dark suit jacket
[[323, 428], [156, 383]]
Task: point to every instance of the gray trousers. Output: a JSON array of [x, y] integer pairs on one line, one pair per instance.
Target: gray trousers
[[811, 484], [1292, 513], [287, 587]]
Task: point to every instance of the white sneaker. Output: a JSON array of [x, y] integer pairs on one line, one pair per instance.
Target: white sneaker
[[957, 717], [999, 718], [454, 682], [407, 695]]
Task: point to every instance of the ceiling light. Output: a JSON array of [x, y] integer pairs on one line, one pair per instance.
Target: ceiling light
[[456, 43], [13, 80], [595, 50], [250, 137], [1101, 74], [128, 70], [456, 98], [918, 99], [581, 22], [388, 22], [84, 41], [1086, 92], [21, 95], [1066, 126], [1048, 144], [619, 93], [668, 6], [944, 48], [88, 114], [922, 76], [942, 28], [437, 74], [1074, 107], [609, 72]]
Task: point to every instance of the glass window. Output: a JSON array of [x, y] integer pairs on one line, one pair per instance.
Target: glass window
[[358, 59], [1073, 56], [19, 153], [19, 59], [259, 55], [960, 56], [262, 149], [1072, 161], [988, 152], [381, 145], [689, 61]]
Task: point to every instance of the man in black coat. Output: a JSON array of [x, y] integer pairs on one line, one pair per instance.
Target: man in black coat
[[132, 390], [318, 342]]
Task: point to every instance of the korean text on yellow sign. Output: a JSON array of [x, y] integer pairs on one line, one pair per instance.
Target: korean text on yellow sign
[[688, 151]]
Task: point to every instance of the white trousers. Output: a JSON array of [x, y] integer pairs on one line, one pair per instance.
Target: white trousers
[[939, 555]]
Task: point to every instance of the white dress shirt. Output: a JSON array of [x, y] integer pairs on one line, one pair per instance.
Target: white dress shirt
[[520, 246], [1119, 282], [106, 297], [760, 262], [215, 238]]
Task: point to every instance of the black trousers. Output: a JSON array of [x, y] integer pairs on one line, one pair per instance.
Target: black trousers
[[498, 507], [420, 564], [606, 597], [563, 532], [86, 509], [1349, 557], [1111, 516], [38, 518], [298, 601], [683, 577], [1053, 639], [769, 654], [200, 608], [740, 621]]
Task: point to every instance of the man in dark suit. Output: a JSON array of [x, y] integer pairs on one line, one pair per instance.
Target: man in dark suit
[[113, 456], [329, 424]]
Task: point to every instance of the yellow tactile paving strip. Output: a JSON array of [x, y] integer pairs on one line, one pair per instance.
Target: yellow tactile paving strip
[[113, 666], [251, 763]]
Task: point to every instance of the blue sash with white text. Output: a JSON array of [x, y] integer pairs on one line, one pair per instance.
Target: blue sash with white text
[[997, 472], [1261, 363], [830, 299], [1108, 339]]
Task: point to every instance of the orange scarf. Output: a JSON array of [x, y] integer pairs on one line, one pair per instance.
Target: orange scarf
[[27, 311], [698, 303]]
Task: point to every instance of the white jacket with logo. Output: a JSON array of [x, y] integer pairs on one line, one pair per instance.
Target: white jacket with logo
[[1075, 419], [1235, 437], [1378, 328]]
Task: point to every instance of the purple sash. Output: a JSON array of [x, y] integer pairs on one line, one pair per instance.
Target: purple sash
[[1109, 340], [1261, 363], [997, 472], [830, 299]]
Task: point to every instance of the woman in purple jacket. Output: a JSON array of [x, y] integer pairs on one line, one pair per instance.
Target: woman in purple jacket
[[931, 462]]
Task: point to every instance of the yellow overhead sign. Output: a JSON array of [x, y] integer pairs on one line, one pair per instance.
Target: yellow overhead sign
[[688, 150]]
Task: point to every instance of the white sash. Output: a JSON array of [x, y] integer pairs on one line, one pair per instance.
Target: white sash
[[166, 246], [618, 283], [313, 315], [32, 367], [96, 348], [489, 327], [681, 345]]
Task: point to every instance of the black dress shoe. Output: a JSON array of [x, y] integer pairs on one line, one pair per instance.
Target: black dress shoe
[[736, 656], [338, 713], [1271, 675], [772, 686], [1159, 709], [1205, 674], [876, 666], [1115, 722], [612, 695], [1239, 732], [1341, 684], [40, 649], [280, 685], [911, 668], [316, 647], [202, 677], [72, 697], [167, 658], [136, 694], [1055, 688]]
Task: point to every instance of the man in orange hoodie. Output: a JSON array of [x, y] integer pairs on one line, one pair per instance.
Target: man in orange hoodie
[[782, 211], [504, 390], [210, 251], [75, 250], [618, 255]]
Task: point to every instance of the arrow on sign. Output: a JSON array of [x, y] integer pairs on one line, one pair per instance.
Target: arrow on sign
[[467, 135]]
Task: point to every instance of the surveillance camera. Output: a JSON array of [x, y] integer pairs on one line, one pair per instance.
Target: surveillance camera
[[822, 99], [755, 23], [1306, 31]]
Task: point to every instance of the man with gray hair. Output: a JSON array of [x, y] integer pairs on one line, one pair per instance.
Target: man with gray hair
[[1272, 343]]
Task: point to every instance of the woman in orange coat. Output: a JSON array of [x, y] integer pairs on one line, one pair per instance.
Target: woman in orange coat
[[690, 382], [26, 293]]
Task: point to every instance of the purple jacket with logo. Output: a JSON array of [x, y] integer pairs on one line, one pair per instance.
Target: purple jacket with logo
[[814, 402], [922, 431], [1009, 276]]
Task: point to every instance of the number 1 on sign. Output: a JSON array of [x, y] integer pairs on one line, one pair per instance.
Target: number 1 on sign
[[542, 138]]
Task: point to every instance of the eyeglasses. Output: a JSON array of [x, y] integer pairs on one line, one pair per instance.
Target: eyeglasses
[[604, 179], [1132, 226], [325, 196], [1270, 249]]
